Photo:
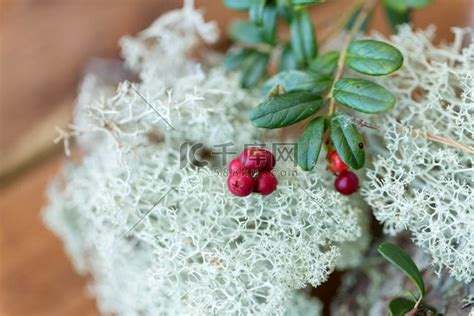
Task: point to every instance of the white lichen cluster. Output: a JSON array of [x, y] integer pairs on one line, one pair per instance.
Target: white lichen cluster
[[160, 239], [417, 183]]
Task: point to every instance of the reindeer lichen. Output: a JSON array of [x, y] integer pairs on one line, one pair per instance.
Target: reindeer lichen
[[161, 238]]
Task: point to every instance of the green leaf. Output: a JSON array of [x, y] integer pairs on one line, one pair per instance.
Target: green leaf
[[288, 60], [404, 5], [411, 295], [235, 58], [302, 2], [283, 3], [303, 39], [269, 24], [400, 306], [399, 258], [348, 141], [362, 95], [237, 4], [298, 80], [373, 58], [396, 18], [350, 23], [309, 144], [257, 7], [286, 109], [253, 69], [430, 310], [285, 10], [246, 32], [325, 64]]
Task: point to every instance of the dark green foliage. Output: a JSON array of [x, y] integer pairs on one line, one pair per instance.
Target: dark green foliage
[[309, 143], [348, 141], [287, 109], [363, 95]]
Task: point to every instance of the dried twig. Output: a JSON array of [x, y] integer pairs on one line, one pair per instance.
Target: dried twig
[[443, 140]]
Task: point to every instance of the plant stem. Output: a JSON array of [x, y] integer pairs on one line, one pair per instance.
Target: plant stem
[[364, 12], [417, 303]]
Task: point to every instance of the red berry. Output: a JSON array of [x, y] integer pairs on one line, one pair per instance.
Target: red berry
[[240, 185], [336, 164], [235, 167], [270, 160], [255, 158], [266, 182], [347, 183]]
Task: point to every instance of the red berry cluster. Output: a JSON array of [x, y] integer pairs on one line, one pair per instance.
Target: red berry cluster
[[346, 181], [252, 172]]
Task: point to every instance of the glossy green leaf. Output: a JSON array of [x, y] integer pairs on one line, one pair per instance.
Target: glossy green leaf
[[399, 258], [237, 4], [269, 25], [400, 306], [396, 18], [404, 5], [298, 80], [287, 109], [246, 32], [348, 141], [373, 58], [362, 95], [350, 23], [257, 7], [288, 60], [309, 144], [235, 58], [303, 39], [325, 64], [253, 69]]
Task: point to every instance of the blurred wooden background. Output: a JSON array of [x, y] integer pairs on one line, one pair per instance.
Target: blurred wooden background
[[44, 47]]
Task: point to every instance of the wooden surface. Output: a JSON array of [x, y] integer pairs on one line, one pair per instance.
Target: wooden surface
[[35, 275], [44, 46]]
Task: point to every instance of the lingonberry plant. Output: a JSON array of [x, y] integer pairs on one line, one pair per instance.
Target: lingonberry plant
[[265, 183], [252, 172], [346, 183], [335, 163], [241, 184], [256, 159], [413, 305], [311, 86]]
